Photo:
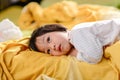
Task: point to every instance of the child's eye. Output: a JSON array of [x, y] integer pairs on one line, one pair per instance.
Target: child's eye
[[48, 51], [48, 39]]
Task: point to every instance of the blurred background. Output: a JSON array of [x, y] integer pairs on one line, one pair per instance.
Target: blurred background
[[11, 9]]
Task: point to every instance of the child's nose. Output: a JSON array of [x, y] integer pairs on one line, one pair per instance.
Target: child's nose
[[52, 46]]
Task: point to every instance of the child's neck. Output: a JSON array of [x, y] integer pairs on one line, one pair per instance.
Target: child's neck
[[73, 52]]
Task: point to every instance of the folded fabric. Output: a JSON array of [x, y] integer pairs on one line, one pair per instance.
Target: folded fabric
[[17, 62], [9, 31], [68, 13]]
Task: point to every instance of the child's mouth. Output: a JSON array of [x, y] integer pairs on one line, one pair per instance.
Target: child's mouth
[[60, 47]]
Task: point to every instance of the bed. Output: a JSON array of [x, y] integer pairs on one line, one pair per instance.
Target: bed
[[18, 62]]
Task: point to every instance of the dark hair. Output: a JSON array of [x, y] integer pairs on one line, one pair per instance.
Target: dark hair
[[43, 30]]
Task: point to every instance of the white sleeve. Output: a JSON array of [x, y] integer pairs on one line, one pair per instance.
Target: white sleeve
[[106, 30], [89, 38], [88, 46]]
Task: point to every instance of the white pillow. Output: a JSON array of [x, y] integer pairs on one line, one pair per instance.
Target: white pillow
[[9, 31]]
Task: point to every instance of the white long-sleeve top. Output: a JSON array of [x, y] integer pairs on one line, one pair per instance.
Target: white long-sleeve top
[[89, 38]]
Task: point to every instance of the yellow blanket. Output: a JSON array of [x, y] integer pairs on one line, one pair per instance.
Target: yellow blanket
[[17, 62], [68, 13]]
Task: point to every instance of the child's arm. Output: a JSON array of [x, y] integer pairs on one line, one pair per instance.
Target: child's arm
[[90, 38], [108, 31], [88, 46]]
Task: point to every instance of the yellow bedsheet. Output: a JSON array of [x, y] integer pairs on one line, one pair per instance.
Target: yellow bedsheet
[[17, 62], [68, 13]]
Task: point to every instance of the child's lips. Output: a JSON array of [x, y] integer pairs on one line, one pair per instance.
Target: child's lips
[[59, 47]]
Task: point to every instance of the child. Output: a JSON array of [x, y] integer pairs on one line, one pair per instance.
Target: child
[[86, 41]]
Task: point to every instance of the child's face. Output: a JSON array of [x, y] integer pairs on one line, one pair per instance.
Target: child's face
[[54, 43]]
